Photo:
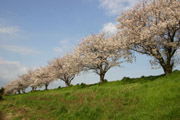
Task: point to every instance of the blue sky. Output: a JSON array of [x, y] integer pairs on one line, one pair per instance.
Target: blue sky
[[33, 32]]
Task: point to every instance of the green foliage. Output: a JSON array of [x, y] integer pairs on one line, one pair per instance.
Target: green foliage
[[1, 97], [105, 81], [145, 98], [1, 90]]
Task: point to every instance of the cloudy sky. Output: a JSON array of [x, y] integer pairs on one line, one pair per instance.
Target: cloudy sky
[[33, 32]]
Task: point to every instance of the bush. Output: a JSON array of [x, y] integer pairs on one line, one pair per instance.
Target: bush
[[1, 93], [1, 97], [143, 76], [125, 79], [2, 90], [105, 81], [83, 85]]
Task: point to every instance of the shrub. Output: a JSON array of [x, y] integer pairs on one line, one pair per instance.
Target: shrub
[[1, 93], [105, 81], [83, 85], [125, 79]]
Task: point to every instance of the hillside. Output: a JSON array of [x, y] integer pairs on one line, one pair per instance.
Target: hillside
[[145, 98]]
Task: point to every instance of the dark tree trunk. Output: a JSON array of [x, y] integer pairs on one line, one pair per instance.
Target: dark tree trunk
[[46, 86], [167, 64], [167, 69], [67, 83], [33, 89], [19, 92], [23, 91], [102, 77]]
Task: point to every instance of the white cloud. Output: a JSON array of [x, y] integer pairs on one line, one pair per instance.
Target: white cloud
[[114, 7], [19, 49], [9, 30], [9, 33], [9, 70], [109, 28]]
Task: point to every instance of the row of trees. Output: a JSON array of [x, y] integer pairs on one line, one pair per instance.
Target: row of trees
[[96, 52], [152, 27]]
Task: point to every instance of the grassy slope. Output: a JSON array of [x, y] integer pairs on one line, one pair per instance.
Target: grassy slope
[[146, 98]]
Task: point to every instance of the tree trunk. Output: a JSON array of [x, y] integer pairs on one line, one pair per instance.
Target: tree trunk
[[23, 91], [102, 77], [167, 69], [19, 92], [33, 89], [67, 83], [167, 66], [46, 86]]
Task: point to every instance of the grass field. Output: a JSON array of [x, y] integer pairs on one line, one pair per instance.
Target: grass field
[[145, 98]]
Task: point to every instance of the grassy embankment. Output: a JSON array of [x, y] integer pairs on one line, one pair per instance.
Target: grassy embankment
[[145, 98]]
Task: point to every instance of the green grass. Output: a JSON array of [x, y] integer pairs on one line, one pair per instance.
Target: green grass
[[145, 98]]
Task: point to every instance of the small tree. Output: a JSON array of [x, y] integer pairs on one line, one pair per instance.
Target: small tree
[[153, 28], [99, 53], [65, 68]]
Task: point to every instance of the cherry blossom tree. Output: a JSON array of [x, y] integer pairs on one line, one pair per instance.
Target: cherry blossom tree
[[42, 76], [13, 87], [31, 80], [152, 27], [19, 85], [24, 81], [99, 53], [34, 78], [27, 80], [65, 68]]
